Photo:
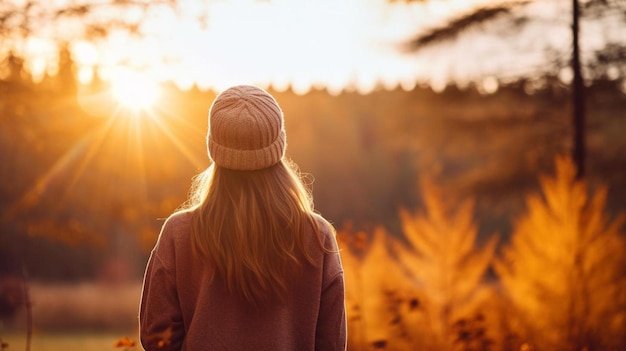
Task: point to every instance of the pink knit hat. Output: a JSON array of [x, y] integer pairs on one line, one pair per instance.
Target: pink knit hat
[[246, 129]]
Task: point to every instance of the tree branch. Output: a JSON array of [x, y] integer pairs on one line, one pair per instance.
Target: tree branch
[[452, 29]]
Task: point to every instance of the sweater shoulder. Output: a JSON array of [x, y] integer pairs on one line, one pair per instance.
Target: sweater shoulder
[[174, 234], [332, 260], [176, 224], [327, 232], [180, 218]]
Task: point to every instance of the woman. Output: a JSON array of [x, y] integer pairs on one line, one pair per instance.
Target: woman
[[248, 265]]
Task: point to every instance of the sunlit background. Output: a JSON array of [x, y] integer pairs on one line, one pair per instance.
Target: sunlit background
[[336, 45], [436, 135]]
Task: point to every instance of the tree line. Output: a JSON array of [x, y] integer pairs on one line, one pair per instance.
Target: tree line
[[78, 178]]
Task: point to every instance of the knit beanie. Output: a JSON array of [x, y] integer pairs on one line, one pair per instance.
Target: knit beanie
[[246, 129]]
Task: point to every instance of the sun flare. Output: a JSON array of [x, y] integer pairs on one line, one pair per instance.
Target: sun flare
[[134, 91]]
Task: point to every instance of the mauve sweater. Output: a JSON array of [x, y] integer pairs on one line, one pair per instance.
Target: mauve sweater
[[182, 309]]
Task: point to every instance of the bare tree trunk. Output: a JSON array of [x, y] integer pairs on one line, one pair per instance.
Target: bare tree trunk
[[578, 96], [29, 308]]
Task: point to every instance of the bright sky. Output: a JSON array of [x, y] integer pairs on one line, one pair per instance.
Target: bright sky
[[330, 43], [336, 44]]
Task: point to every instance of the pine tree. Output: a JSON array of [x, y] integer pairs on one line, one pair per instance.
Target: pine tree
[[564, 268], [383, 307], [442, 258]]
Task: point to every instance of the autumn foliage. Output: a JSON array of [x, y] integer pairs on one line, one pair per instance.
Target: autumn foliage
[[559, 283], [563, 271]]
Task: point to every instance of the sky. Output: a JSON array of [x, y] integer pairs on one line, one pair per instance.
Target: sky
[[297, 44], [332, 44]]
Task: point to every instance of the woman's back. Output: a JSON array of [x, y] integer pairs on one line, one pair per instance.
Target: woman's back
[[214, 319]]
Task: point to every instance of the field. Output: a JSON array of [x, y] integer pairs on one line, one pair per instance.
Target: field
[[63, 341], [85, 316]]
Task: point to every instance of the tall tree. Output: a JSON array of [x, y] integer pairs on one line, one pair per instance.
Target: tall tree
[[578, 95], [607, 61], [441, 256], [383, 306], [564, 268]]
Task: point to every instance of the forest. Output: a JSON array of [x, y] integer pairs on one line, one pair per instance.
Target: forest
[[461, 222]]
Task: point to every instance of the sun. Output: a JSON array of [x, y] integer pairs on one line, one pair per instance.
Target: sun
[[133, 90]]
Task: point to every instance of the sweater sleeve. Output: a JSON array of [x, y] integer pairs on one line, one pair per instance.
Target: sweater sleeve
[[161, 324], [331, 330]]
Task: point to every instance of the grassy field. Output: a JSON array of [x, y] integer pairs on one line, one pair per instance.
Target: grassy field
[[62, 342], [84, 317]]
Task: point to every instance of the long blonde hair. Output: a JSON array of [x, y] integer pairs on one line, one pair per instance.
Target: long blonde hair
[[251, 226]]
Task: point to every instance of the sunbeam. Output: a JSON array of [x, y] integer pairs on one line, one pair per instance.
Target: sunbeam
[[97, 139], [40, 185], [174, 138], [76, 159]]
